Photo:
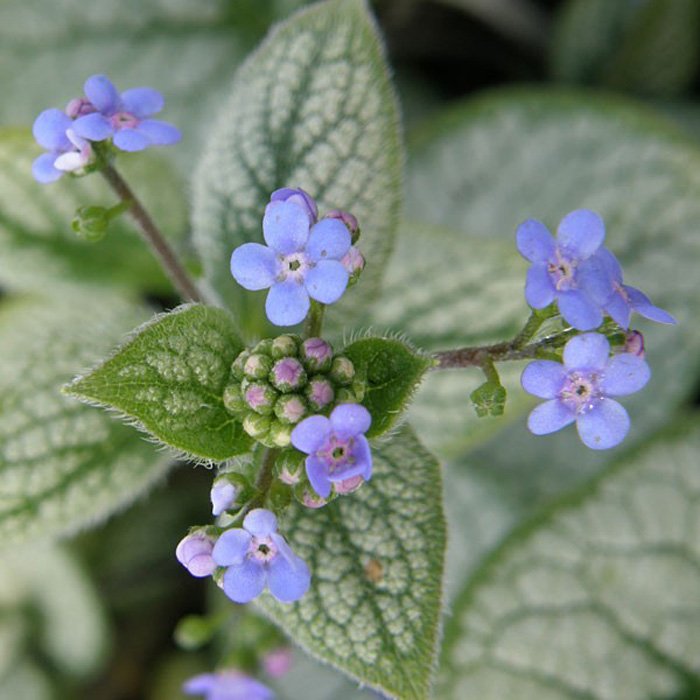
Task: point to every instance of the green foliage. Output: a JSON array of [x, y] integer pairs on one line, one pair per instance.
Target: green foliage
[[38, 249], [62, 465], [311, 108], [650, 47], [391, 371], [597, 598], [169, 378], [377, 558]]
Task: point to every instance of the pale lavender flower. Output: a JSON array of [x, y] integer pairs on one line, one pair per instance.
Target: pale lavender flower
[[227, 685], [194, 552]]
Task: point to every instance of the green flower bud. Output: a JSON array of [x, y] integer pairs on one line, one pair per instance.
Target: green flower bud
[[257, 426], [345, 395], [91, 222], [342, 370], [280, 435], [287, 375], [319, 393], [257, 366], [238, 364], [233, 400], [260, 397], [264, 347], [290, 409], [289, 466], [316, 354], [285, 346]]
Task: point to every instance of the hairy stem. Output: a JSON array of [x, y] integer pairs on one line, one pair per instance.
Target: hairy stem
[[152, 235], [314, 322]]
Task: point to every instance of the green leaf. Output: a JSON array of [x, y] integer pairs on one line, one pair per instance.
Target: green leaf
[[597, 598], [377, 557], [169, 378], [392, 371], [63, 466], [650, 47], [39, 250], [312, 107]]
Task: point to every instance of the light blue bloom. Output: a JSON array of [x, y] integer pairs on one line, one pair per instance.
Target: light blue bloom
[[67, 152], [227, 685], [222, 495], [257, 556], [194, 552]]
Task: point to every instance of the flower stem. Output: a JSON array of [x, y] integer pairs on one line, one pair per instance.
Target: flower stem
[[152, 235], [314, 322]]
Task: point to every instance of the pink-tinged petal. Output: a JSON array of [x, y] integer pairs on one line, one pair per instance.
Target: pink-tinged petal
[[142, 101], [641, 303], [535, 242], [50, 128], [103, 95], [625, 374], [579, 310], [581, 233], [94, 127], [604, 426], [43, 169], [327, 281], [260, 522], [287, 303], [350, 419], [232, 547], [159, 133], [288, 579], [329, 239], [254, 266], [131, 140], [549, 417], [245, 581], [317, 472], [543, 378], [539, 288], [311, 434], [285, 227], [587, 351]]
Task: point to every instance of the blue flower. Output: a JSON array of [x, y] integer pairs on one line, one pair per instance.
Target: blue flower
[[227, 685], [126, 117], [580, 390], [255, 557], [337, 448], [564, 270], [621, 299], [67, 152], [300, 260]]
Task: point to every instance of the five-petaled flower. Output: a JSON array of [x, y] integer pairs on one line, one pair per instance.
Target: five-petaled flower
[[227, 685], [580, 390], [301, 260], [337, 448], [255, 556]]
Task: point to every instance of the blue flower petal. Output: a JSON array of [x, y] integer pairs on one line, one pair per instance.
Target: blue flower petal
[[587, 351], [254, 266], [641, 303], [595, 279], [604, 426], [539, 289], [579, 310], [619, 309], [549, 417], [327, 281], [288, 579], [245, 581], [94, 127], [49, 130], [160, 133], [43, 168], [311, 434], [260, 522], [624, 375], [222, 496], [581, 233], [131, 140], [202, 684], [285, 227], [329, 239], [142, 101], [604, 257], [103, 95], [535, 242], [317, 472], [350, 419], [543, 378], [363, 456], [287, 303], [231, 547]]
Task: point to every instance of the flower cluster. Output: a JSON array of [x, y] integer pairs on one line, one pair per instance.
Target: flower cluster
[[577, 272], [102, 114], [304, 258]]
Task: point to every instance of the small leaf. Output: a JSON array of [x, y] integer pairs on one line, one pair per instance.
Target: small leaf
[[376, 557], [313, 108], [597, 598], [392, 372], [170, 378], [62, 465], [489, 399]]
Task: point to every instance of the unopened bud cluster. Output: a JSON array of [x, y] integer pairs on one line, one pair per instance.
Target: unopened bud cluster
[[279, 382]]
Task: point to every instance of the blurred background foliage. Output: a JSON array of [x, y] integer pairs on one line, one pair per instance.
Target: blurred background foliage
[[105, 627]]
